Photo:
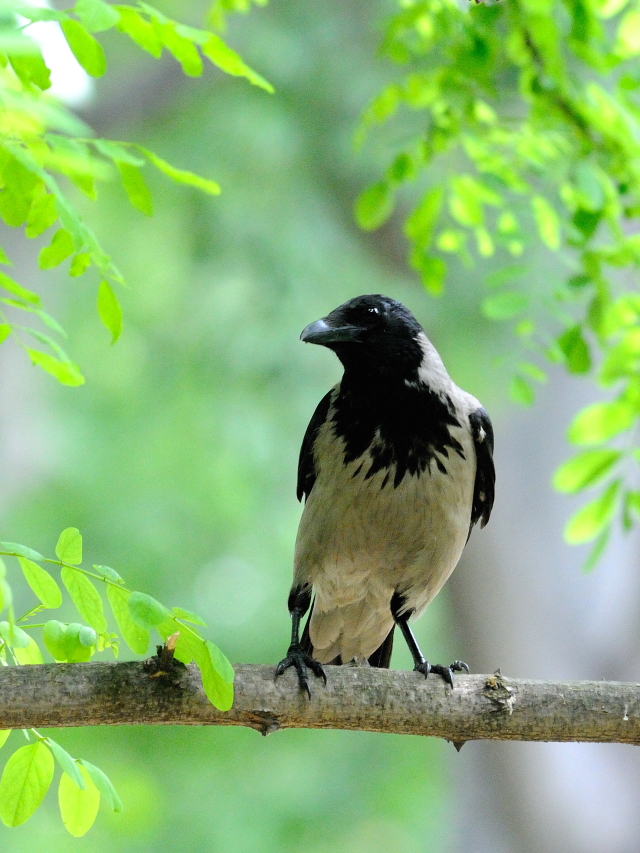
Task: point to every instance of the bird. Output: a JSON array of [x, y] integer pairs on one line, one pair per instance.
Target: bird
[[396, 467]]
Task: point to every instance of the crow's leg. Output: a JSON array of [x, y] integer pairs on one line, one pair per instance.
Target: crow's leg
[[302, 661], [420, 664]]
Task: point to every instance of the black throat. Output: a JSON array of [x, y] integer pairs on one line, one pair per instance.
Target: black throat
[[404, 424]]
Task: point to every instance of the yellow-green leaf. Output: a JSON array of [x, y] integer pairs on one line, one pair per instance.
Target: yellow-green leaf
[[66, 372], [41, 582], [18, 290], [110, 310], [78, 807], [585, 470], [135, 636], [601, 421], [69, 546], [25, 781], [591, 520], [136, 187], [547, 221], [87, 50], [62, 246], [30, 654], [85, 597]]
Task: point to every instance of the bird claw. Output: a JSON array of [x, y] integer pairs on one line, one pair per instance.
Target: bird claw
[[439, 669], [301, 660]]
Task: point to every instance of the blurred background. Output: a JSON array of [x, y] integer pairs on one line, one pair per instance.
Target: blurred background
[[177, 461]]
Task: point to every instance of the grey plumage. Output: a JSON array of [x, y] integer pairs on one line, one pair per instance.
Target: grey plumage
[[396, 467]]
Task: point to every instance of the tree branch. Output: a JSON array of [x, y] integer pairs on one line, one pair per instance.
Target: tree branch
[[358, 698]]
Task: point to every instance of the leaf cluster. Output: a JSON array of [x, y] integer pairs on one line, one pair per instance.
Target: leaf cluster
[[529, 142], [45, 151], [29, 772]]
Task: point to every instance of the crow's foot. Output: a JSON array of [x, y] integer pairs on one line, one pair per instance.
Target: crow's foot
[[302, 661], [439, 669]]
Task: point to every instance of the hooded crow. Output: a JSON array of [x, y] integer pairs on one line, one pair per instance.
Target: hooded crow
[[396, 467]]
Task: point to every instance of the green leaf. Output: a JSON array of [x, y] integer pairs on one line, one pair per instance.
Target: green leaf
[[14, 636], [80, 264], [374, 206], [504, 305], [188, 616], [87, 50], [5, 331], [96, 15], [4, 734], [25, 781], [547, 221], [136, 188], [591, 520], [31, 68], [75, 650], [13, 287], [598, 549], [20, 550], [85, 597], [135, 637], [421, 223], [108, 572], [584, 470], [110, 310], [78, 807], [146, 611], [180, 176], [104, 785], [41, 582], [629, 35], [575, 349], [183, 49], [69, 547], [140, 31], [67, 763], [62, 246], [522, 391], [42, 214], [230, 62], [66, 372], [601, 421], [29, 655], [216, 683], [54, 637]]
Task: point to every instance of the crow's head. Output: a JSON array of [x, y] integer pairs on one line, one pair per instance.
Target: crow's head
[[372, 334]]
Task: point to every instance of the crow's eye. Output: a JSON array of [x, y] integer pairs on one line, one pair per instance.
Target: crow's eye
[[372, 311]]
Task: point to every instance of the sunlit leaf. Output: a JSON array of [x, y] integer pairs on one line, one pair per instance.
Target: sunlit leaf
[[591, 519], [17, 289], [85, 597], [96, 15], [66, 372], [140, 31], [14, 636], [41, 582], [522, 391], [136, 188], [374, 206], [188, 616], [30, 654], [547, 221], [78, 806], [62, 246], [86, 49], [25, 781], [54, 638], [110, 310], [601, 421], [135, 636], [146, 611], [180, 176], [585, 470], [20, 550], [69, 546], [575, 349], [4, 734]]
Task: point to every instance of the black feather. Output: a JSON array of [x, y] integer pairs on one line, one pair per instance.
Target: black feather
[[306, 462], [484, 487]]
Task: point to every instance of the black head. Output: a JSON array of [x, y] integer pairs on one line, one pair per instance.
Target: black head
[[374, 334]]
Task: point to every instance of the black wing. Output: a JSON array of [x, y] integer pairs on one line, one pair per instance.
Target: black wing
[[306, 463], [484, 488]]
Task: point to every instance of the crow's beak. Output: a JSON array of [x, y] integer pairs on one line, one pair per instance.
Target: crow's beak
[[321, 332]]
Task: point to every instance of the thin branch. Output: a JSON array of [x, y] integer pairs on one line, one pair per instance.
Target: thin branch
[[357, 698]]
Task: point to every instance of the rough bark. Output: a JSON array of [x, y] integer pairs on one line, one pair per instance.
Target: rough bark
[[479, 707]]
